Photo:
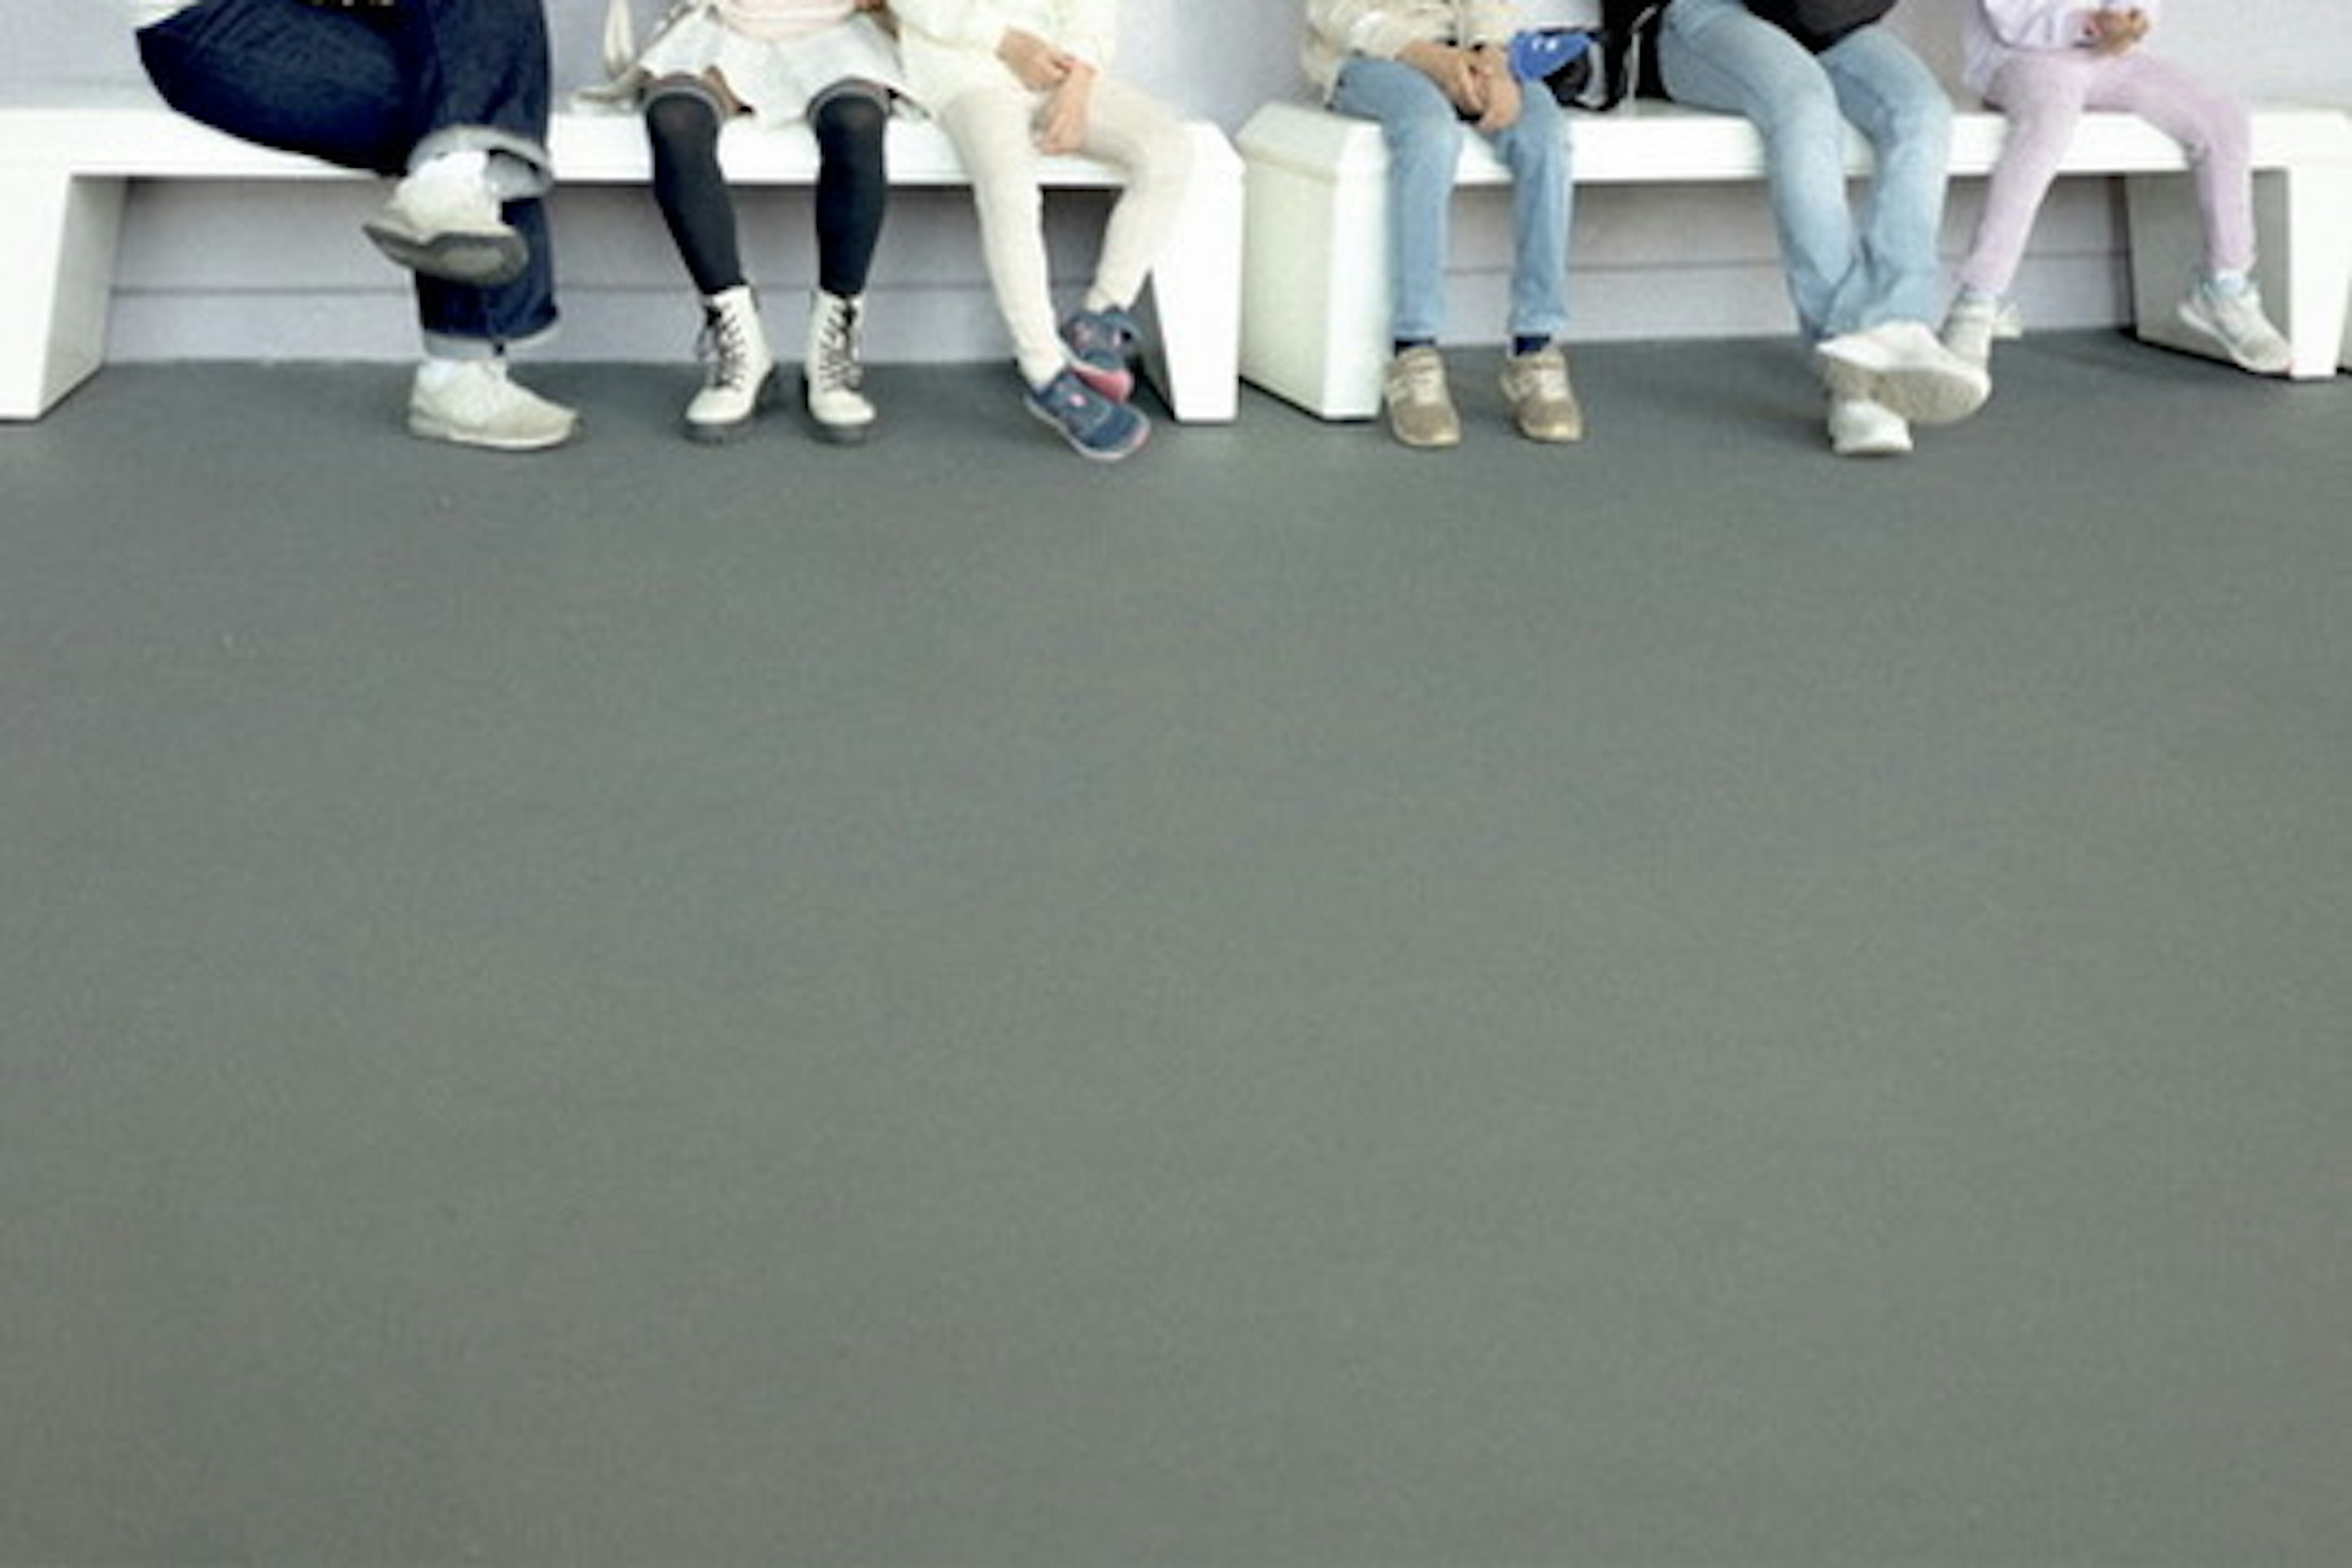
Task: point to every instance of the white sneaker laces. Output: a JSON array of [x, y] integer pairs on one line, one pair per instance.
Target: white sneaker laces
[[726, 346], [1547, 376], [1424, 380]]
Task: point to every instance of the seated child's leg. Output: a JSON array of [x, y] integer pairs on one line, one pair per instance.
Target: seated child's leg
[[991, 130], [1424, 142], [851, 121], [683, 116], [1537, 150], [2042, 97], [2215, 131], [991, 133], [1145, 139], [682, 121]]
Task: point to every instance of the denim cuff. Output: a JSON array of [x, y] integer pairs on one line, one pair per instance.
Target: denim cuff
[[447, 345]]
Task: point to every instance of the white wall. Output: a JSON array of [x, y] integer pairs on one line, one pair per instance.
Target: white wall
[[273, 272]]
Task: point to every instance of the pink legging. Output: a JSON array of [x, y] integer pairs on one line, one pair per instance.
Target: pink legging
[[2043, 92]]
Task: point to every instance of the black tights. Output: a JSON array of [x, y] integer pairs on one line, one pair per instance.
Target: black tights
[[852, 187]]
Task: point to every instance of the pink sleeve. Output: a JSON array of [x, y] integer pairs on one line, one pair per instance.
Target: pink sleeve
[[2039, 24]]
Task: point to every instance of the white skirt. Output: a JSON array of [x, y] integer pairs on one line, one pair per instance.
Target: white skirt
[[776, 80]]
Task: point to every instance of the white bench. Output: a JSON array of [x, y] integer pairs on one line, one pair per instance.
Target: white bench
[[65, 165], [1315, 293]]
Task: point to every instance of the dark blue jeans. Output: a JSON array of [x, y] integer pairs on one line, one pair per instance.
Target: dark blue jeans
[[384, 90]]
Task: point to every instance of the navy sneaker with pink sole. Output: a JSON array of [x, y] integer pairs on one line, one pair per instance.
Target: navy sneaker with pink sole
[[1101, 343], [1095, 426]]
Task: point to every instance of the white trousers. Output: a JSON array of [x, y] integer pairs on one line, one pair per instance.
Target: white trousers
[[994, 132]]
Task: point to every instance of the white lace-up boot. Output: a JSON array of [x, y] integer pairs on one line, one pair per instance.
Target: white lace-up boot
[[739, 369], [833, 369]]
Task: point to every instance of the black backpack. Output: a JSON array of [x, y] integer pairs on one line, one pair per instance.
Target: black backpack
[[1817, 24], [1629, 50], [1621, 62]]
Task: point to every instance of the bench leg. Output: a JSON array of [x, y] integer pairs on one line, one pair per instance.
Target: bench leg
[[1315, 312], [1196, 290], [2303, 221], [57, 272]]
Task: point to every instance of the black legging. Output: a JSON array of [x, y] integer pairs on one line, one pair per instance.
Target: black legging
[[853, 187]]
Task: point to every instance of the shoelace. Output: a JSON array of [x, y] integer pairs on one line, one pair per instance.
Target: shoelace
[[836, 347], [726, 345], [2239, 314], [1547, 378], [1424, 381]]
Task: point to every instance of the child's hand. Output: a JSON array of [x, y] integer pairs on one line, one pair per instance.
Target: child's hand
[[1452, 70], [1062, 123], [2112, 32], [1040, 66], [1498, 90]]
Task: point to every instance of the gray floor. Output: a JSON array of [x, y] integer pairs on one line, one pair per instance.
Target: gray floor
[[1679, 1003]]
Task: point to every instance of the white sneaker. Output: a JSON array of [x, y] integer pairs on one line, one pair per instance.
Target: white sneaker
[[1901, 365], [1543, 403], [2234, 319], [1976, 321], [444, 221], [473, 404], [740, 370], [1860, 428], [832, 372]]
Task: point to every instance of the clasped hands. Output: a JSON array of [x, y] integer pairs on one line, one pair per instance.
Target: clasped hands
[[1478, 81], [1066, 82], [2114, 31]]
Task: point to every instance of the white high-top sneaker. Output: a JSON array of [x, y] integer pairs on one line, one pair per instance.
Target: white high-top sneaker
[[833, 369], [740, 371]]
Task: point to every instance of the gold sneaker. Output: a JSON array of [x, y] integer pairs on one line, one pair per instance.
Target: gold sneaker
[[1543, 404], [1420, 410]]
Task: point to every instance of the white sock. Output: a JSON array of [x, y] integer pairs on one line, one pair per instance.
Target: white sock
[[467, 166], [440, 371]]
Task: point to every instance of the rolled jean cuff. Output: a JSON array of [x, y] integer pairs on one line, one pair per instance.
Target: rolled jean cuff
[[449, 345], [519, 167]]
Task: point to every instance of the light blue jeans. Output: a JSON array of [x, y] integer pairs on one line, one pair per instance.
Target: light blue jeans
[[1425, 134], [1846, 271]]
